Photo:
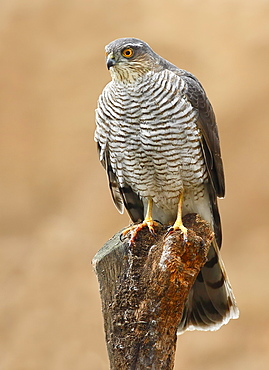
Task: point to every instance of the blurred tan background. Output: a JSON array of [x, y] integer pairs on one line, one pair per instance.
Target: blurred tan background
[[56, 210]]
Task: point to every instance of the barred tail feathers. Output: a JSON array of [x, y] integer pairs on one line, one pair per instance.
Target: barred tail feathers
[[211, 302]]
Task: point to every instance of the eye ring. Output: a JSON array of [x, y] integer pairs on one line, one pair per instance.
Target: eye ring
[[127, 53]]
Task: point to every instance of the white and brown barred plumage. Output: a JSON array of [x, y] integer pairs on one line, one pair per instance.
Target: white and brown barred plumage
[[157, 138]]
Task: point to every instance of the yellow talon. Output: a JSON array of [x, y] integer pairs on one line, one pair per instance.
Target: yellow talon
[[148, 222], [178, 225]]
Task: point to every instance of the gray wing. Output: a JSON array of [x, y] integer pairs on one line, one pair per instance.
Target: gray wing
[[207, 124], [122, 195], [210, 145], [112, 180], [210, 138]]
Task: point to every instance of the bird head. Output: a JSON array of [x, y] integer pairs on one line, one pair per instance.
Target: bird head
[[129, 58]]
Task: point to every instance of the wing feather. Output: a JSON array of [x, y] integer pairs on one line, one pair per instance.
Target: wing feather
[[112, 180], [210, 139], [207, 123], [122, 195]]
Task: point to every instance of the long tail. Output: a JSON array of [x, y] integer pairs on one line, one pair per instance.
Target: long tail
[[211, 302]]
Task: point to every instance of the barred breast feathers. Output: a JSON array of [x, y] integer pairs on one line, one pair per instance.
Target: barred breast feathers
[[150, 130]]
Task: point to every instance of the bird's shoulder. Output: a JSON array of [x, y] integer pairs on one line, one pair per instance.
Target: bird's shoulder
[[196, 95], [193, 86]]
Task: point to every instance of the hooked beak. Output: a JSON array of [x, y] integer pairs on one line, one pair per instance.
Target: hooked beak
[[110, 60]]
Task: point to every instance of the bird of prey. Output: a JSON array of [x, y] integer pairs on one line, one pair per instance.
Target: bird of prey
[[158, 141]]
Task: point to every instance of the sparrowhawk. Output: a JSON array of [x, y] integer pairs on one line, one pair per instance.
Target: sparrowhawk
[[158, 141]]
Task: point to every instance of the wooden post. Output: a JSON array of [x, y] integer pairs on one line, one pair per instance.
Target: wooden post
[[143, 289]]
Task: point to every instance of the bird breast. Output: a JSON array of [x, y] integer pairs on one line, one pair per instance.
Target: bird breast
[[149, 128]]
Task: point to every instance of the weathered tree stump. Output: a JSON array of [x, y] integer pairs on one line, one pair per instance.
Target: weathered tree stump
[[143, 289]]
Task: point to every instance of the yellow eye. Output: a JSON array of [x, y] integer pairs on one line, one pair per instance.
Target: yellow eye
[[127, 53]]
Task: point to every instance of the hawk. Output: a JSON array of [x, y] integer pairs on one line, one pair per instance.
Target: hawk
[[158, 141]]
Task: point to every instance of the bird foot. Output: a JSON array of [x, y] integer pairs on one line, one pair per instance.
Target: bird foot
[[134, 229], [178, 226]]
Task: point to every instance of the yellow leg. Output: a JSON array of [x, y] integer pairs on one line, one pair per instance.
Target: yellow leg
[[178, 225], [148, 222], [148, 219]]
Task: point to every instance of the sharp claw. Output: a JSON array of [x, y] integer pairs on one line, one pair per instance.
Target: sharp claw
[[171, 229], [134, 230], [131, 242], [184, 231], [133, 236], [152, 232]]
